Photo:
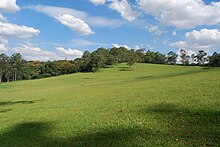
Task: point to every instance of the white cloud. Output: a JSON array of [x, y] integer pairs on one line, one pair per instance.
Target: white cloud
[[2, 18], [69, 52], [104, 22], [204, 39], [98, 2], [154, 29], [128, 47], [9, 6], [56, 12], [174, 33], [3, 45], [75, 24], [13, 30], [180, 44], [124, 8], [117, 46], [32, 52], [71, 18], [182, 13], [84, 42]]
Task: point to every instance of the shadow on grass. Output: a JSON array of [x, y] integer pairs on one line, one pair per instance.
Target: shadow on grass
[[35, 134], [126, 69], [5, 110], [171, 75], [7, 103], [180, 127], [192, 128]]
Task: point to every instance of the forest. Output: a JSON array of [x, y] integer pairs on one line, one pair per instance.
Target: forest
[[14, 67]]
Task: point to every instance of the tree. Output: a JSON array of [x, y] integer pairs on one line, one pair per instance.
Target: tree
[[64, 66], [16, 61], [86, 58], [183, 56], [49, 69], [9, 70], [201, 57], [86, 55], [193, 59], [120, 54], [149, 57], [214, 60], [132, 57], [140, 55], [3, 65], [171, 57]]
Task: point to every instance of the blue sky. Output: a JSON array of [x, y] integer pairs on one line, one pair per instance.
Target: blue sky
[[55, 29]]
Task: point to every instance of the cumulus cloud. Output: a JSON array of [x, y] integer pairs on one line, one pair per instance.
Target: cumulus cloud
[[75, 24], [182, 13], [70, 17], [69, 52], [3, 45], [127, 47], [32, 52], [205, 39], [2, 18], [124, 8], [9, 6], [154, 29], [118, 45], [98, 2], [13, 30]]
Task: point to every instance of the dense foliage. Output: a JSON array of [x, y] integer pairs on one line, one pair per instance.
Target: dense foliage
[[16, 68]]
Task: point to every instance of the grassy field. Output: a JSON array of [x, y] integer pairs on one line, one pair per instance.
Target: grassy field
[[156, 105]]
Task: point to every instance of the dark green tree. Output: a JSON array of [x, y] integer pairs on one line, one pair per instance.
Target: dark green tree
[[17, 63], [3, 65], [214, 60], [183, 56], [132, 58], [171, 57], [201, 57]]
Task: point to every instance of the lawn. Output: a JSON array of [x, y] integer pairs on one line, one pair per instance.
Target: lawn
[[154, 105]]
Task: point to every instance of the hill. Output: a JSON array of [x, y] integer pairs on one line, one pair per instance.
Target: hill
[[155, 105]]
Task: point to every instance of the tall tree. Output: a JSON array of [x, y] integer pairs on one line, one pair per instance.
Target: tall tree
[[171, 57], [201, 57], [140, 55], [214, 60], [17, 63], [183, 56], [132, 57], [3, 65], [193, 59]]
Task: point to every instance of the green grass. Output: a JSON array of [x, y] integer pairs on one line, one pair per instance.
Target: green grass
[[156, 105]]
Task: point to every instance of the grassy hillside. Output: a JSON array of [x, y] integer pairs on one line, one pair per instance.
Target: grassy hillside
[[156, 105]]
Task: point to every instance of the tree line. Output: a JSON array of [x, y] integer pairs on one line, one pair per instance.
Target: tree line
[[14, 67]]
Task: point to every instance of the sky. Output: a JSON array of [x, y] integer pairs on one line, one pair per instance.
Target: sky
[[59, 29]]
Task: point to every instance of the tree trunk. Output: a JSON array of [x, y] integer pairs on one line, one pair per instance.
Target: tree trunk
[[8, 79], [15, 75], [93, 74], [0, 79]]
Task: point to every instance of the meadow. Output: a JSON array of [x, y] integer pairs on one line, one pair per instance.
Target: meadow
[[154, 105]]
